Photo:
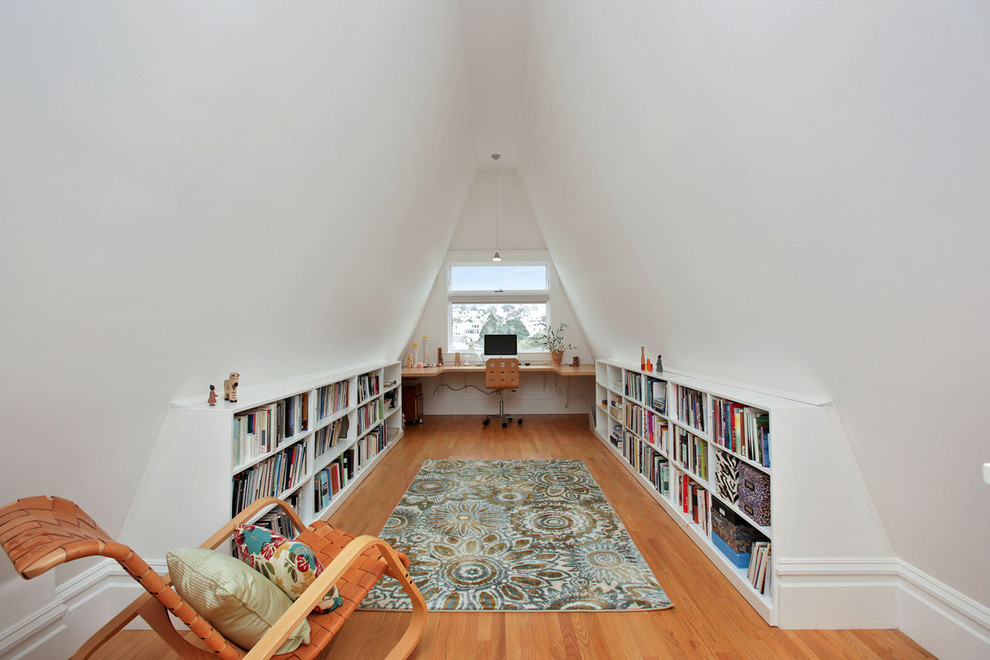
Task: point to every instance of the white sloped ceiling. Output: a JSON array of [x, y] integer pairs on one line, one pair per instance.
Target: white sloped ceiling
[[190, 189], [790, 195]]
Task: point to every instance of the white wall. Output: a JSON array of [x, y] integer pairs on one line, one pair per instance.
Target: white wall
[[190, 189], [518, 234], [791, 195]]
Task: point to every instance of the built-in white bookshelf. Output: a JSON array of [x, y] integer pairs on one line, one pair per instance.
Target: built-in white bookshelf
[[744, 471], [311, 446], [308, 440]]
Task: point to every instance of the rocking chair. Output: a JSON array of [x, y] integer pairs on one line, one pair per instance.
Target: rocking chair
[[40, 533]]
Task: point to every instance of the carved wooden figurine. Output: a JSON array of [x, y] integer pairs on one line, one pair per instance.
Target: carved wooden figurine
[[642, 357], [457, 359], [439, 356], [659, 365], [409, 360], [576, 362], [213, 396], [230, 387]]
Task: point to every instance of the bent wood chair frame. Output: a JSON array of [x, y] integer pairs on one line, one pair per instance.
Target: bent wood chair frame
[[40, 533]]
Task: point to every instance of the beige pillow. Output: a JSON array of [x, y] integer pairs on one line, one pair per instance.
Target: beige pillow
[[241, 603]]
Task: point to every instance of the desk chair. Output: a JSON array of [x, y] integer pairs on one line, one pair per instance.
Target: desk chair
[[501, 374]]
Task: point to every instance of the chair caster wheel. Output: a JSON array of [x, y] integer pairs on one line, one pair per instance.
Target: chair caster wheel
[[485, 422], [519, 420], [505, 425]]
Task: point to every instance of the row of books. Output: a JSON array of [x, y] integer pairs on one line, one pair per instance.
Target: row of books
[[269, 478], [634, 385], [630, 449], [368, 447], [759, 566], [694, 500], [296, 414], [655, 467], [332, 398], [742, 429], [331, 480], [690, 406], [656, 431], [370, 414], [369, 385], [615, 436], [330, 435], [256, 432], [634, 418], [691, 452], [278, 521], [656, 395]]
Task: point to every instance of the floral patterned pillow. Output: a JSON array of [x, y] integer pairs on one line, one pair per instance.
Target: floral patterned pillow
[[289, 564]]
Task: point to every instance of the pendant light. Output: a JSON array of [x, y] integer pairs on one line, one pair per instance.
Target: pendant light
[[495, 157]]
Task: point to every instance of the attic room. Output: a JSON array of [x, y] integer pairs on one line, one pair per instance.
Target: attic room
[[788, 201]]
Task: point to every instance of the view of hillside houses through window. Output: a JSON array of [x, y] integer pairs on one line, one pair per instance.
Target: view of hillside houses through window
[[520, 309], [470, 322]]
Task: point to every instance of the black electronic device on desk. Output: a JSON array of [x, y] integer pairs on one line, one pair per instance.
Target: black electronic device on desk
[[501, 346]]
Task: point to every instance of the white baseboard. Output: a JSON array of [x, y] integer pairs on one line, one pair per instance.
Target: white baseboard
[[947, 623], [824, 593], [837, 594], [883, 592], [79, 607]]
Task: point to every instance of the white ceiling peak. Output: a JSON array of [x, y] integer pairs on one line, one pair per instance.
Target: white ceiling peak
[[496, 43]]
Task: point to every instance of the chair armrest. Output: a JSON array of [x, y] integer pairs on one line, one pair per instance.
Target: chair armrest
[[250, 513], [300, 609]]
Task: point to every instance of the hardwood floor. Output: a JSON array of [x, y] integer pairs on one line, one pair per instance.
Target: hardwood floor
[[709, 619]]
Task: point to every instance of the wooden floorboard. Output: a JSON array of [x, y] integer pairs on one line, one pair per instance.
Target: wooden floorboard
[[710, 619]]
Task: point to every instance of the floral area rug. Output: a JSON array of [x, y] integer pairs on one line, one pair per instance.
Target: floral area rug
[[514, 535]]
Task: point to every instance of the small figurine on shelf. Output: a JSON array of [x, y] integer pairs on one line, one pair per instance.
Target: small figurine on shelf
[[457, 359], [642, 357], [213, 396], [409, 360], [439, 356], [649, 365], [659, 365], [576, 362], [230, 387]]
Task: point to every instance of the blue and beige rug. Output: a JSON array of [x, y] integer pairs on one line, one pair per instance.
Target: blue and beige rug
[[514, 535]]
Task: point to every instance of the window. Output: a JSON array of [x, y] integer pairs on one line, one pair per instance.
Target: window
[[486, 298], [521, 319], [496, 277]]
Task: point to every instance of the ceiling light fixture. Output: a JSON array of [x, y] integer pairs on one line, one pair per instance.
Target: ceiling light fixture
[[495, 157]]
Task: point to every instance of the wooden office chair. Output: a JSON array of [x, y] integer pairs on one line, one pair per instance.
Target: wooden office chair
[[40, 533], [501, 374]]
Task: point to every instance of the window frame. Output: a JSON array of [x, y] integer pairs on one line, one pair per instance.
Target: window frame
[[510, 258]]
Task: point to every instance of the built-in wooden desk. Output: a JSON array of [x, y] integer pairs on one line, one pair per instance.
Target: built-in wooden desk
[[546, 367]]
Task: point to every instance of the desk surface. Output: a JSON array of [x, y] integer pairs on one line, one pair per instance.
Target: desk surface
[[559, 369]]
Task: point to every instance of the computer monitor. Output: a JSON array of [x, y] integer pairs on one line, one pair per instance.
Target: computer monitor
[[500, 345]]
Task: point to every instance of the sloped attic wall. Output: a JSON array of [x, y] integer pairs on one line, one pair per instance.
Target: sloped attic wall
[[790, 195], [193, 188]]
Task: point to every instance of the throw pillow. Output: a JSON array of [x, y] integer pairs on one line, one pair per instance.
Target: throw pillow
[[290, 564], [241, 604]]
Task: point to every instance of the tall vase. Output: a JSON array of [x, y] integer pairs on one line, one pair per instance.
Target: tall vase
[[556, 356]]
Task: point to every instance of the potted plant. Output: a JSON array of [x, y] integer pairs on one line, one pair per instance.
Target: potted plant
[[553, 341]]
